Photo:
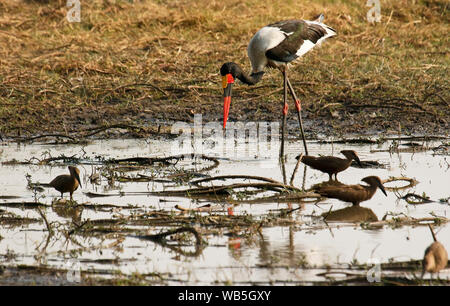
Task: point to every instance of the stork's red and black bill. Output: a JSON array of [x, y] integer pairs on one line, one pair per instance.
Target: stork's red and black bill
[[227, 84]]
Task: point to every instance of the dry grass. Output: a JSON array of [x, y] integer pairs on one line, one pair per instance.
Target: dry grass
[[142, 61]]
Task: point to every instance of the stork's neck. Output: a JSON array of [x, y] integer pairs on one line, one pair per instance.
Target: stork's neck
[[251, 79], [237, 72]]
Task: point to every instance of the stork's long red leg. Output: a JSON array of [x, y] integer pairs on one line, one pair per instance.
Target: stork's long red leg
[[299, 109]]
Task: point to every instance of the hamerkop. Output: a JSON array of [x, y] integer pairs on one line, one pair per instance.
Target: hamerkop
[[435, 258], [331, 164], [351, 193], [67, 183]]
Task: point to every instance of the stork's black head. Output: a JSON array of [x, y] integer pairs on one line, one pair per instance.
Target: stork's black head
[[230, 68], [229, 72]]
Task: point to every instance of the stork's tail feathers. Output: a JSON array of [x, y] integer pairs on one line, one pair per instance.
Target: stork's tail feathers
[[330, 31], [319, 18]]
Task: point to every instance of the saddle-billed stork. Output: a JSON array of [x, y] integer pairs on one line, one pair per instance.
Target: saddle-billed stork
[[274, 46]]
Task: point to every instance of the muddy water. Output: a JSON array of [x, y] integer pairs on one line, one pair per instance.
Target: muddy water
[[299, 253]]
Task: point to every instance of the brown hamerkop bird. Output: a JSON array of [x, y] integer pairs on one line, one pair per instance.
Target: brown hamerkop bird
[[351, 193], [67, 183], [330, 164], [435, 258]]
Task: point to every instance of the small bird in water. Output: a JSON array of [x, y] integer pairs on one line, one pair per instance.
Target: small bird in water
[[331, 164], [351, 193], [435, 258], [67, 183]]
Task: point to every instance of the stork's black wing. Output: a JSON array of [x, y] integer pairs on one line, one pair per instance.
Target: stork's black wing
[[296, 32]]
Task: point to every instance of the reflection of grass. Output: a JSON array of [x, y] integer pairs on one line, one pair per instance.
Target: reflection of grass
[[131, 62]]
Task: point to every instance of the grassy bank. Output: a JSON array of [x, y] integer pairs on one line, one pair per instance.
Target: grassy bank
[[138, 62]]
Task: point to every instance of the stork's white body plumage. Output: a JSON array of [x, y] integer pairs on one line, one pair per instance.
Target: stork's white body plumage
[[271, 36], [265, 39]]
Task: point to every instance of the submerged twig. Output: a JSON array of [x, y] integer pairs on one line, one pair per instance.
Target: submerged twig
[[209, 190], [204, 208], [160, 239], [419, 199], [166, 160], [161, 236], [225, 177], [47, 135]]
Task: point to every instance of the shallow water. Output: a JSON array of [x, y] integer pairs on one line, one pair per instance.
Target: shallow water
[[292, 254]]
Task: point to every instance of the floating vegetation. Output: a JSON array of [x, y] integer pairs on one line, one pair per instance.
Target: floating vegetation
[[351, 141], [411, 183], [368, 164], [16, 221], [79, 137], [415, 199]]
